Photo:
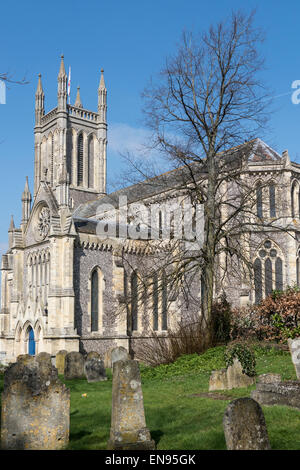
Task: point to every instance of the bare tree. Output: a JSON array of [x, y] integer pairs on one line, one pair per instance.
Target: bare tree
[[209, 99]]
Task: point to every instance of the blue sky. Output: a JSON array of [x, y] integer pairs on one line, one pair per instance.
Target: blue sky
[[130, 40]]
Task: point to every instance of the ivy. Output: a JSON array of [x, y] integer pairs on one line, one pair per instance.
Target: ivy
[[244, 355]]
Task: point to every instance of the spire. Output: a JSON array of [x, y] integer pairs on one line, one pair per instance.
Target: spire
[[102, 83], [10, 232], [26, 193], [39, 90], [62, 71], [102, 98], [12, 224], [62, 87], [78, 103], [39, 102]]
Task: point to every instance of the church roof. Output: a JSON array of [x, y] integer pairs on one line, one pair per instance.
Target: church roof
[[254, 151]]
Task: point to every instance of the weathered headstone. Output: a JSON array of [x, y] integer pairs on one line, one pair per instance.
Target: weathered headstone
[[294, 345], [278, 393], [94, 370], [35, 408], [93, 355], [74, 366], [107, 358], [244, 426], [128, 426], [232, 377], [269, 378], [25, 358], [60, 361], [119, 354]]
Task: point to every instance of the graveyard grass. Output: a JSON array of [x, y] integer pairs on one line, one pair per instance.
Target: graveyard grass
[[178, 413]]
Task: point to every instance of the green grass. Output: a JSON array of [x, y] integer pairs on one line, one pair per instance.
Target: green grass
[[176, 416]]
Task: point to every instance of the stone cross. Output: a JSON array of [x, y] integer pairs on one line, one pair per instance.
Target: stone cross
[[294, 345], [35, 407], [244, 426], [128, 426]]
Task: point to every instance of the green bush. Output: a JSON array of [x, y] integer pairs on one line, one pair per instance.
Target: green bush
[[244, 354]]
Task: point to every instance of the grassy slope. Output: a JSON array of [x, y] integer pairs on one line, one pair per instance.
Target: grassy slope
[[176, 418]]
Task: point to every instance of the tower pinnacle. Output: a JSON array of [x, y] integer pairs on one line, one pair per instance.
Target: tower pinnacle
[[102, 98], [78, 103]]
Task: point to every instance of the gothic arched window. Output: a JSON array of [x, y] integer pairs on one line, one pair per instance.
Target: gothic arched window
[[295, 199], [91, 163], [259, 202], [80, 160], [164, 313], [272, 200], [94, 301], [257, 280], [134, 301], [155, 302], [96, 289], [268, 271]]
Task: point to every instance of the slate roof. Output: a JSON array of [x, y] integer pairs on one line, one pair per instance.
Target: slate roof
[[254, 151]]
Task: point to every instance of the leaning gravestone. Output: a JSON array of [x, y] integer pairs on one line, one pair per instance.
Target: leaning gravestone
[[244, 426], [232, 377], [74, 366], [119, 354], [294, 345], [128, 426], [60, 361], [35, 408], [94, 370]]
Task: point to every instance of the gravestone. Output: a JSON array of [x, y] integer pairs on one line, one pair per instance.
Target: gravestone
[[94, 370], [25, 358], [278, 393], [35, 408], [128, 426], [60, 361], [107, 359], [93, 355], [232, 377], [74, 366], [294, 346], [244, 426], [269, 378], [119, 354]]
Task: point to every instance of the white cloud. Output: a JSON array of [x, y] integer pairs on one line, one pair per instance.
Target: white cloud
[[123, 138]]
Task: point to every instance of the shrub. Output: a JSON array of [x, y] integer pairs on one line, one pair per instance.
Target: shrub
[[275, 318], [244, 355], [188, 338]]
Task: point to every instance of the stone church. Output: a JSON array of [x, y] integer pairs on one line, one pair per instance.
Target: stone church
[[66, 285]]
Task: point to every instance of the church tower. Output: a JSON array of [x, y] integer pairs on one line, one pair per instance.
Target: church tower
[[71, 140]]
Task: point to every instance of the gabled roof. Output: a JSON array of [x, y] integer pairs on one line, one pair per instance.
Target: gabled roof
[[253, 151]]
